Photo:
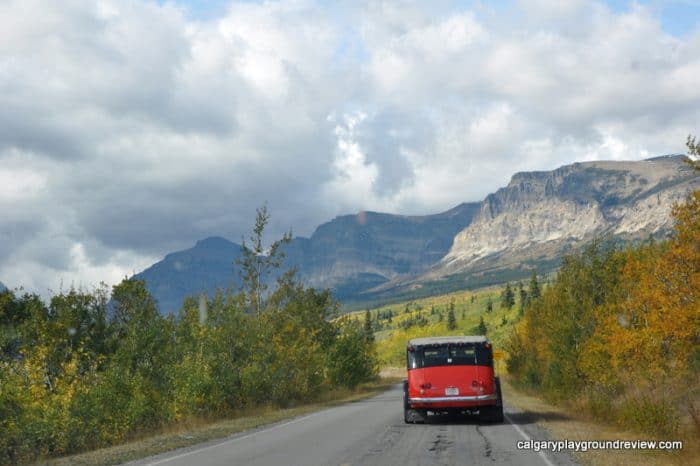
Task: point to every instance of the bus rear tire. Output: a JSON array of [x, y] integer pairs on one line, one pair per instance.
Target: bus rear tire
[[493, 413], [410, 415], [414, 416]]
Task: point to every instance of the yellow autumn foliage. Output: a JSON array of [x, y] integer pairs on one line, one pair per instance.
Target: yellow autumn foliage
[[621, 328]]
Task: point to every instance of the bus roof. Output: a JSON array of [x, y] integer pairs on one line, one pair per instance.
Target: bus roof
[[447, 340]]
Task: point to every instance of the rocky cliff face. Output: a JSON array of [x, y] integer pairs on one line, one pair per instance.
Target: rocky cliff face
[[355, 252], [542, 214]]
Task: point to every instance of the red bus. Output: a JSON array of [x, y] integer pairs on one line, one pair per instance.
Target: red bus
[[451, 375]]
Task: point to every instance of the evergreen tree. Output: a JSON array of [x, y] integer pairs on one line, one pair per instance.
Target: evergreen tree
[[534, 290], [507, 297], [369, 333], [489, 305], [523, 298], [451, 320], [422, 321], [693, 152], [481, 329]]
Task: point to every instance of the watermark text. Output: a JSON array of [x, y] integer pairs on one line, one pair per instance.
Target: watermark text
[[585, 445]]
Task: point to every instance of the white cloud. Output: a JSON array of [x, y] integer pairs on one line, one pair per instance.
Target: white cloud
[[20, 184], [352, 175]]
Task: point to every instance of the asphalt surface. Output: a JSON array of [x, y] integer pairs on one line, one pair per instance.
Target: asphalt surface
[[371, 432]]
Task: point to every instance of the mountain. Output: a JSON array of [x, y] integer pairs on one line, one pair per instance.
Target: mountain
[[541, 215], [349, 254], [205, 267], [353, 253], [530, 223]]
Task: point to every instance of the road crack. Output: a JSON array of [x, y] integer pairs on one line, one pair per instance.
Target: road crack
[[440, 447], [487, 447]]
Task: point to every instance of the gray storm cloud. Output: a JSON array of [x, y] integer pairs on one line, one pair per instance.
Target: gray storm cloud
[[129, 129]]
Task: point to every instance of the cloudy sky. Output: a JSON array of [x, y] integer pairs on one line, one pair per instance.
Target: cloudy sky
[[132, 128]]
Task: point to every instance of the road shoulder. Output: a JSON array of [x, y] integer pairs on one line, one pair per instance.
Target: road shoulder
[[559, 423]]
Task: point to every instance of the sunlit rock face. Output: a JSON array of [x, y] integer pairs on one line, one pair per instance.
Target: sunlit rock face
[[542, 214]]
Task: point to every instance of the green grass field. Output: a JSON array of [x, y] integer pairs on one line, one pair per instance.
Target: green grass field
[[395, 324]]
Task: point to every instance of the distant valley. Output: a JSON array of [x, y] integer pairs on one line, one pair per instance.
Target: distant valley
[[371, 257]]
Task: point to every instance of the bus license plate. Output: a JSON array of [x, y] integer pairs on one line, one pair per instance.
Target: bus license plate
[[451, 391]]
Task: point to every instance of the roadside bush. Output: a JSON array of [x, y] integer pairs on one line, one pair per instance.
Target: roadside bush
[[352, 359], [600, 404], [14, 415], [615, 321], [657, 415]]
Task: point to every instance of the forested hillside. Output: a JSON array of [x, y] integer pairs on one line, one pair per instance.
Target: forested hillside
[[79, 373], [619, 331]]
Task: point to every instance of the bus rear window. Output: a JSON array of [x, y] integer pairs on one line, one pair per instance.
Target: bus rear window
[[449, 355]]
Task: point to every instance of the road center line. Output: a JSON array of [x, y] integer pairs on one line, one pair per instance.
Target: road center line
[[231, 440], [526, 437]]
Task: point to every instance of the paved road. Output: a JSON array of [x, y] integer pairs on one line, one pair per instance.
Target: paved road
[[370, 432]]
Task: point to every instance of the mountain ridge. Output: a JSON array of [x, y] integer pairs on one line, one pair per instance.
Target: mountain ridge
[[205, 267], [572, 204], [531, 222], [348, 254]]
